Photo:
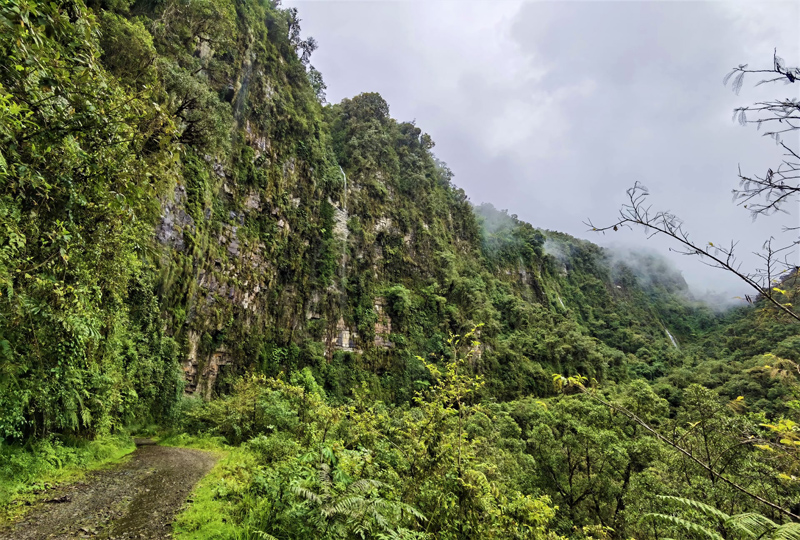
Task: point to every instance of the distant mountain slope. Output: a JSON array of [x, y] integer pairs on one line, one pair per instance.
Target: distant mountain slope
[[751, 352]]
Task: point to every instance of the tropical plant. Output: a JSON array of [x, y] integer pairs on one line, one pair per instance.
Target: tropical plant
[[705, 521], [355, 506]]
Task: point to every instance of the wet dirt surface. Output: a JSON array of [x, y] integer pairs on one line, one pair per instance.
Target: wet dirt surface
[[137, 499]]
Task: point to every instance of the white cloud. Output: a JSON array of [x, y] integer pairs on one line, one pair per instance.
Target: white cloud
[[553, 109]]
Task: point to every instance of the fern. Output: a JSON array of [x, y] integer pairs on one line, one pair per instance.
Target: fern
[[356, 506], [746, 526], [757, 526], [752, 525], [706, 509], [788, 531], [685, 524], [307, 494], [264, 536]]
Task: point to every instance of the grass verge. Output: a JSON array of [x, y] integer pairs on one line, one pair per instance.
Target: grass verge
[[211, 510], [28, 472]]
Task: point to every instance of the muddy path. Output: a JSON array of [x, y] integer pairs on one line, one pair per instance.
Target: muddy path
[[137, 499]]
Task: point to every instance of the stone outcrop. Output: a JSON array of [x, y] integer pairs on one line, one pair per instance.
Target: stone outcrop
[[383, 326], [201, 374], [174, 220], [343, 339]]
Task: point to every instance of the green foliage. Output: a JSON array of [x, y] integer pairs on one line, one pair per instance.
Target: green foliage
[[28, 471], [171, 192], [368, 470], [128, 51], [196, 123], [76, 208], [586, 457], [477, 469], [506, 239], [747, 525]]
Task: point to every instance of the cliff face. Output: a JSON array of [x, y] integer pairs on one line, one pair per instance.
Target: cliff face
[[330, 236], [196, 206]]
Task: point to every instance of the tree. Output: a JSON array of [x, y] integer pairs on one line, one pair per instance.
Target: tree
[[440, 464], [78, 193], [712, 446], [318, 84], [761, 195], [585, 457]]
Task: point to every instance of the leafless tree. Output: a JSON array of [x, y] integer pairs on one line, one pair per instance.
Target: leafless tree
[[762, 195], [769, 193]]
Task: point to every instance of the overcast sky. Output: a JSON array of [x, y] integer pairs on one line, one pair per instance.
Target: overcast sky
[[553, 109]]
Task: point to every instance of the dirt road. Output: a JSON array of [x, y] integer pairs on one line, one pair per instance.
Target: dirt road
[[138, 499]]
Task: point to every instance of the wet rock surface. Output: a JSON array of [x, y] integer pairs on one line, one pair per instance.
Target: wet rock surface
[[138, 499]]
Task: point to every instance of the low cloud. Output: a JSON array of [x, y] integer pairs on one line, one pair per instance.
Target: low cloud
[[553, 109]]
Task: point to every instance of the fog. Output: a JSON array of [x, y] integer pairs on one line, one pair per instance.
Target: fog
[[553, 109]]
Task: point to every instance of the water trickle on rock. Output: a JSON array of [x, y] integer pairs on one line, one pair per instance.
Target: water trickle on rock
[[344, 210], [672, 339], [345, 188]]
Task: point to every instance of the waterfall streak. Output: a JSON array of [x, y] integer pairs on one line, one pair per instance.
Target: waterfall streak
[[672, 339], [344, 210]]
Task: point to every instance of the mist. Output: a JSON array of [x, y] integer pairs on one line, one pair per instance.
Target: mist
[[553, 109], [653, 268]]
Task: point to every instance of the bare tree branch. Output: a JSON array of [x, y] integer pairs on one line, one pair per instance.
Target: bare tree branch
[[761, 195], [636, 212], [782, 185]]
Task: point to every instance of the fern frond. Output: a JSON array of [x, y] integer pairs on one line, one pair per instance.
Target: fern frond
[[324, 474], [381, 521], [363, 485], [262, 535], [348, 507], [787, 531], [751, 524], [408, 509], [697, 505], [306, 494], [693, 528], [403, 534]]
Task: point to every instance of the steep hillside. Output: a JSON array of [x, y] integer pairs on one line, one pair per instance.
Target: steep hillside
[[192, 241], [751, 352], [284, 233]]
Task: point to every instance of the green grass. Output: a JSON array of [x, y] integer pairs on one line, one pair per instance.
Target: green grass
[[212, 508], [199, 442], [26, 473]]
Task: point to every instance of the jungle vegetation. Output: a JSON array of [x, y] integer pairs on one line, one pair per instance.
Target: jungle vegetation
[[192, 238]]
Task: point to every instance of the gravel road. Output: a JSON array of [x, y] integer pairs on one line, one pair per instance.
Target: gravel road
[[138, 499]]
